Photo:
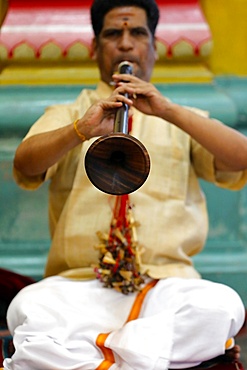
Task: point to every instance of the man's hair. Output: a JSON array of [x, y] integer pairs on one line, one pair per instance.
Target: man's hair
[[100, 8]]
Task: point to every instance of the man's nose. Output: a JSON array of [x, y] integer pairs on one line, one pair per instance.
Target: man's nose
[[126, 41]]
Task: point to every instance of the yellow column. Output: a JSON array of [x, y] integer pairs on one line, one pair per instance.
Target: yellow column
[[228, 23]]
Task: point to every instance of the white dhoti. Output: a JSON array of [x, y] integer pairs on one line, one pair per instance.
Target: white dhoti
[[63, 324]]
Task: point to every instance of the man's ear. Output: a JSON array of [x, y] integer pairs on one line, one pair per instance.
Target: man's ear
[[93, 53], [156, 55]]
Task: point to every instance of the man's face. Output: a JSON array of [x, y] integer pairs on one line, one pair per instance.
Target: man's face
[[125, 36]]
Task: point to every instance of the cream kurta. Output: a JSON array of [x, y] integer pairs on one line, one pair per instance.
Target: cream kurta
[[170, 206]]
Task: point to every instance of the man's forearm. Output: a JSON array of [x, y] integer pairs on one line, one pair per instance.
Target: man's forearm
[[228, 146], [39, 152]]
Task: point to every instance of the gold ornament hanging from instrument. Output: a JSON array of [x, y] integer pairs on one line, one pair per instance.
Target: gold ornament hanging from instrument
[[119, 264]]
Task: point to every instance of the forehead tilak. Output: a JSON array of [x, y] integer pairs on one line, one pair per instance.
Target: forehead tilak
[[125, 20]]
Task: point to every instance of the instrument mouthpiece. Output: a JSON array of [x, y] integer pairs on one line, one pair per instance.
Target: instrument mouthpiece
[[125, 67]]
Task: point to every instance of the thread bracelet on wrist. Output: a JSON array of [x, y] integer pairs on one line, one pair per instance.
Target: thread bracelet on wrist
[[79, 134]]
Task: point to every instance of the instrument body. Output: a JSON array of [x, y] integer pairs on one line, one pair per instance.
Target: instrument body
[[118, 163]]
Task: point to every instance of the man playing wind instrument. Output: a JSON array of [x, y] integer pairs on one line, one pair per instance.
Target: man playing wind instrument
[[168, 317]]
